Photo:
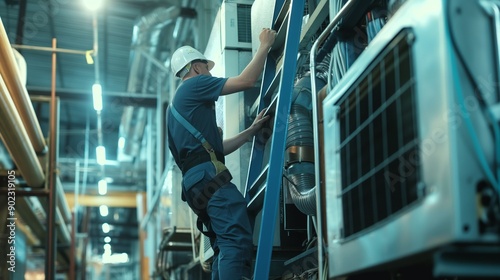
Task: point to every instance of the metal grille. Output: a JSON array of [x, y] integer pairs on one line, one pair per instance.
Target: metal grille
[[244, 23], [378, 140]]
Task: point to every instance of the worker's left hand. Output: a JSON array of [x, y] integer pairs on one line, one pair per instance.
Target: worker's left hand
[[259, 121]]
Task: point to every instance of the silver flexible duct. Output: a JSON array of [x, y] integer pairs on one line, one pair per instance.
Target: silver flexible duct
[[145, 39], [299, 167]]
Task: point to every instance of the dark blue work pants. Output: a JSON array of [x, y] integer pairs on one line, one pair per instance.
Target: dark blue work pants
[[233, 245]]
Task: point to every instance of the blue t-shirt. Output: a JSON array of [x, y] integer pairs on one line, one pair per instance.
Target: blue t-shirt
[[195, 101]]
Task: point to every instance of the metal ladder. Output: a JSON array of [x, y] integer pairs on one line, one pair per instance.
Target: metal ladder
[[264, 183]]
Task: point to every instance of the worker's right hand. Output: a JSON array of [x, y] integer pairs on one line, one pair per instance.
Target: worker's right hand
[[267, 37]]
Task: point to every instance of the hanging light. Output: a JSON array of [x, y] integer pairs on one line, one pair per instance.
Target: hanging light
[[93, 5], [103, 209], [97, 97], [100, 153], [105, 228], [102, 187]]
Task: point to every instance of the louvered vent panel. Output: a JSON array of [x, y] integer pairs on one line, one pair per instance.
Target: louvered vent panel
[[378, 140], [244, 23]]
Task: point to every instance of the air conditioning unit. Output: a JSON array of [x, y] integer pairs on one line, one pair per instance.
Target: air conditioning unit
[[235, 24], [410, 146]]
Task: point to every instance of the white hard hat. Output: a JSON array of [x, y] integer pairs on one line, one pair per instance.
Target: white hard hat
[[183, 56]]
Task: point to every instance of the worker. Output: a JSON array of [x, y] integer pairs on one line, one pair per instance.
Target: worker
[[198, 149]]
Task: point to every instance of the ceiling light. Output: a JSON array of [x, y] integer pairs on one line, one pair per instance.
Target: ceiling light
[[103, 209], [115, 258], [97, 97], [103, 187], [107, 239], [92, 5], [105, 227], [100, 153]]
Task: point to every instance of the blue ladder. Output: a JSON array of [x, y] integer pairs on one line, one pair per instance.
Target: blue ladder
[[264, 184]]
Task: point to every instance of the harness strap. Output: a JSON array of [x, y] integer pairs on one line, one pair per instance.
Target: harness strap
[[219, 166], [200, 199]]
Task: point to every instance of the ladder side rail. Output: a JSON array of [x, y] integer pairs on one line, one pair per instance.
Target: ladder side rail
[[258, 143], [271, 198]]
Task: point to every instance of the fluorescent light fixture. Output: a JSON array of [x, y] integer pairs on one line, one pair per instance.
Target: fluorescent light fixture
[[92, 5], [115, 258], [102, 187], [105, 228], [103, 209], [97, 96], [121, 142], [107, 239], [100, 154]]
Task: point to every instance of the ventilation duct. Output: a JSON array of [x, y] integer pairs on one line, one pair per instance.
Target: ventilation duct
[[147, 34], [300, 147], [145, 39]]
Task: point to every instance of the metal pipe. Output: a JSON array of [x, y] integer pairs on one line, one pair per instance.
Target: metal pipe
[[10, 74], [21, 20], [15, 137], [72, 251], [21, 192], [51, 244], [25, 209], [48, 49], [63, 234], [96, 47], [62, 203]]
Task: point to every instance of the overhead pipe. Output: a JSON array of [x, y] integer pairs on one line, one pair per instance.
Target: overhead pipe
[[32, 213], [10, 73], [16, 140], [62, 203]]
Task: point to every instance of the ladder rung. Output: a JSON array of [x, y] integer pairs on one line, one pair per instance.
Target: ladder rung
[[257, 200], [258, 182], [280, 19], [267, 96], [279, 42], [273, 86], [271, 109]]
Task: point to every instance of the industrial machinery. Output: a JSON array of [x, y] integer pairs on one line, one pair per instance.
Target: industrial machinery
[[412, 163]]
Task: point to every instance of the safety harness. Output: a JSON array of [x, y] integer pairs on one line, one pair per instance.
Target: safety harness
[[223, 176]]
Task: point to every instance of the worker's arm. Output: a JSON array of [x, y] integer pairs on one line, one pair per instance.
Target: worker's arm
[[252, 72], [232, 144]]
